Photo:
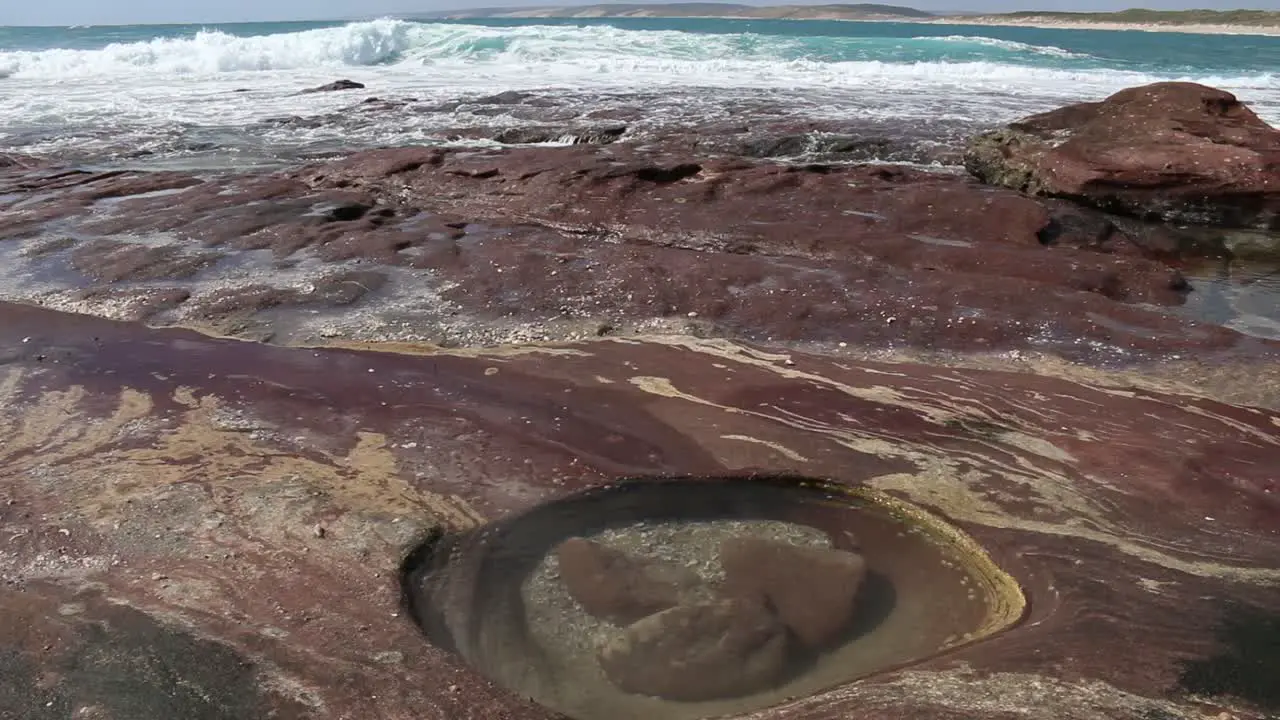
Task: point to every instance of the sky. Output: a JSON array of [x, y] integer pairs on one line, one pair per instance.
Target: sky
[[101, 12]]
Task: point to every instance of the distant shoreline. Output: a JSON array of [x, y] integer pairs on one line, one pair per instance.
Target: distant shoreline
[[1264, 23], [951, 21], [1057, 24]]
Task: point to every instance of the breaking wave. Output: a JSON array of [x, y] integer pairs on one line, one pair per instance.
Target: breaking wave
[[577, 54], [214, 51], [1012, 46], [188, 78]]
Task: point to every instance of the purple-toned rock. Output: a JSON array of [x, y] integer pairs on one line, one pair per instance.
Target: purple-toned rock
[[1136, 509]]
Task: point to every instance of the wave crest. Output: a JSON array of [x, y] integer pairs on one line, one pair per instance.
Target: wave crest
[[1010, 45], [597, 55], [214, 51], [389, 41]]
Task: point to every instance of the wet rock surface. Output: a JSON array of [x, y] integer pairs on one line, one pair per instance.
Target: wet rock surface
[[618, 587], [100, 660], [1180, 152], [705, 651], [197, 527], [11, 161], [481, 247], [798, 127], [335, 86], [813, 591]]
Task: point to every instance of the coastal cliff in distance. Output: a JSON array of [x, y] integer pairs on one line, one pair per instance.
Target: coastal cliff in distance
[[1141, 19], [863, 11]]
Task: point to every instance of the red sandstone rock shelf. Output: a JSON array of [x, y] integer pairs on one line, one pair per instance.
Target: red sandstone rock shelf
[[195, 527], [467, 248], [233, 514]]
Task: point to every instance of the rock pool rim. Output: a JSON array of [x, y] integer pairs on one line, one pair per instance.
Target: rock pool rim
[[1007, 605]]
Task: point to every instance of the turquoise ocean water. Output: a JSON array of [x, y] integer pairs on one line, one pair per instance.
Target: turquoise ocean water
[[166, 90], [818, 40]]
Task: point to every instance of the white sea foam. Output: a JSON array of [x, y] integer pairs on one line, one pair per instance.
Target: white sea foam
[[572, 52], [1010, 45], [218, 52], [162, 88]]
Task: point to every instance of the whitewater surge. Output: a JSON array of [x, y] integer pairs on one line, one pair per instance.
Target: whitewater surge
[[1012, 45], [213, 51], [603, 53], [198, 87]]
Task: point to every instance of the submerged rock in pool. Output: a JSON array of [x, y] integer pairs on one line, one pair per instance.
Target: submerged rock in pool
[[705, 651], [812, 590], [616, 586]]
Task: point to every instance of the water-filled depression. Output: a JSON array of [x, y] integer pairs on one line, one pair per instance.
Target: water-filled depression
[[697, 597]]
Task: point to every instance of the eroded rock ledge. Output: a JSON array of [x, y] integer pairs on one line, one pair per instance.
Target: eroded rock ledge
[[465, 247]]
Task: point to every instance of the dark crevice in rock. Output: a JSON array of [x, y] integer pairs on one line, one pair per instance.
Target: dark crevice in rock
[[1247, 664], [348, 212], [663, 175], [1049, 234]]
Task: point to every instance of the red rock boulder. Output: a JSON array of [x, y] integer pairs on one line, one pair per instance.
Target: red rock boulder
[[1175, 151]]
